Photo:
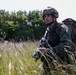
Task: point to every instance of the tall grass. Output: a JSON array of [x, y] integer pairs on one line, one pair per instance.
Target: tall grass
[[16, 59]]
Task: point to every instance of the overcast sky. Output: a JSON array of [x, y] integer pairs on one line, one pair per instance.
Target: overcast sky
[[66, 8]]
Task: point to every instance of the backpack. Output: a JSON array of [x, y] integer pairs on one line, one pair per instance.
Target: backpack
[[72, 26]]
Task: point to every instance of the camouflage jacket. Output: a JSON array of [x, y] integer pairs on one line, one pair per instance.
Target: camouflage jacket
[[59, 37]]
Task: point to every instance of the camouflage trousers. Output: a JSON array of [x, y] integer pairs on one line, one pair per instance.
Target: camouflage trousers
[[61, 70], [53, 62]]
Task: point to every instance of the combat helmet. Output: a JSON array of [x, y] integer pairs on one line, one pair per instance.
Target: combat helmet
[[50, 10]]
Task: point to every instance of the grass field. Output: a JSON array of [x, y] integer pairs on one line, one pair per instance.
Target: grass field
[[16, 59]]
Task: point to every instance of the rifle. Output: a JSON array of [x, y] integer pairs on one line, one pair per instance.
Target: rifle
[[43, 43]]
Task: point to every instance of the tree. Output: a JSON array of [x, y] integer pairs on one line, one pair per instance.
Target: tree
[[21, 25]]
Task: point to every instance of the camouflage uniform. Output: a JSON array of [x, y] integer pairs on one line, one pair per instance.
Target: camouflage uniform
[[59, 38]]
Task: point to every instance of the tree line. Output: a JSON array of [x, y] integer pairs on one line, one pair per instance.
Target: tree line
[[21, 25]]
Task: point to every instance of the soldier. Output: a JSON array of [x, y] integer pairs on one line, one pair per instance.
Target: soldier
[[59, 39]]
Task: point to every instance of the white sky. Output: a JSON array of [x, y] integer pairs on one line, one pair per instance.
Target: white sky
[[66, 8]]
